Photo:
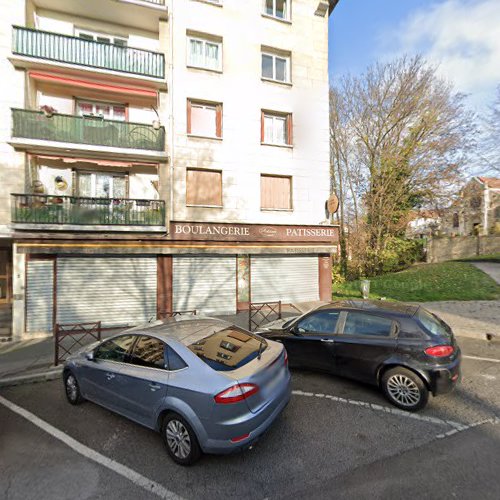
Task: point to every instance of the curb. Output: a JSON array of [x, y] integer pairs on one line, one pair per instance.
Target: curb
[[51, 374]]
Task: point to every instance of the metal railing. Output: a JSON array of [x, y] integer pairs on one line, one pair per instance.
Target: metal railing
[[72, 335], [78, 210], [91, 130], [156, 2], [74, 50], [260, 313]]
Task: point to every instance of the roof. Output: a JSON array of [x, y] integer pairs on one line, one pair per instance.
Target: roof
[[491, 182], [333, 4], [381, 306]]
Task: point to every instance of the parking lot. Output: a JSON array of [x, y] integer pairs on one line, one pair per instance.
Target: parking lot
[[336, 439]]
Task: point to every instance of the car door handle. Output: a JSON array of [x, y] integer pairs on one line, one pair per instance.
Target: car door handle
[[154, 387], [110, 376], [329, 341]]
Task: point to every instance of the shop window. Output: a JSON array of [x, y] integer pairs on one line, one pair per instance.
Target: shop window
[[203, 187], [275, 192]]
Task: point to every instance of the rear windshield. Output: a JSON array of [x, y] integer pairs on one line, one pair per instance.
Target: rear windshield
[[432, 324], [228, 349]]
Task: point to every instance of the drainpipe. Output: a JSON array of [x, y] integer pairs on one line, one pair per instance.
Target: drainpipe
[[171, 97]]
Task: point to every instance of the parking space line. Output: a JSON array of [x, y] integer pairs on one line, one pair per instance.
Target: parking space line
[[128, 473], [494, 421], [491, 360], [385, 409]]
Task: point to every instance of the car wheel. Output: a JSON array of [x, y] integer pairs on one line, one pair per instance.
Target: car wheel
[[72, 389], [180, 440], [405, 389]]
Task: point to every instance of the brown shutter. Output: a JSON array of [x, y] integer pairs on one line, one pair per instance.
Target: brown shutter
[[289, 123], [275, 192], [218, 120], [188, 116], [204, 187], [262, 126]]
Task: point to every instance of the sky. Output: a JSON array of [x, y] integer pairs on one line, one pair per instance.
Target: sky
[[462, 37]]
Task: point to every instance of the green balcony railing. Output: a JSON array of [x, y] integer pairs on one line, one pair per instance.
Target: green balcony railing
[[73, 50], [79, 210], [90, 130]]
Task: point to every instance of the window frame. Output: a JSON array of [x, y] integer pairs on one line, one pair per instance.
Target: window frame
[[218, 106], [94, 104], [338, 324], [395, 327], [134, 345], [93, 183], [188, 169], [96, 34], [204, 40], [288, 128], [276, 55], [127, 353], [268, 209], [288, 11]]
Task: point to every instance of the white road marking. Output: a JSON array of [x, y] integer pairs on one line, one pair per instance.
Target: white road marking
[[385, 409], [493, 421], [122, 470], [492, 360]]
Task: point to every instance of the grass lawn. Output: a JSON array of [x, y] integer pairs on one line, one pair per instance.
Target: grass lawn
[[492, 257], [426, 283]]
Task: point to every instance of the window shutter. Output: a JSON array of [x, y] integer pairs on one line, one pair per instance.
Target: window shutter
[[188, 116], [289, 123], [262, 126], [218, 120]]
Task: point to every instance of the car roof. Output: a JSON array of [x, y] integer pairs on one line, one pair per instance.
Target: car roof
[[376, 306], [182, 329]]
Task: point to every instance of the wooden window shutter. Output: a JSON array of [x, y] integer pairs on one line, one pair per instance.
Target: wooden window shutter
[[262, 126], [289, 123], [188, 116], [218, 120], [275, 192], [204, 187]]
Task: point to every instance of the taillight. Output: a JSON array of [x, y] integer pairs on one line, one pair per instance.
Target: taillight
[[236, 393], [286, 358], [440, 351]]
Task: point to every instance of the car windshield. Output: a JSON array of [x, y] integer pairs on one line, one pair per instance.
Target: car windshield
[[432, 324], [228, 349]]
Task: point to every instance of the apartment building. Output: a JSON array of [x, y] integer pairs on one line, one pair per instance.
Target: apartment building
[[161, 155]]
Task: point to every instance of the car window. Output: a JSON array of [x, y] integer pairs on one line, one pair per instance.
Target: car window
[[175, 362], [149, 352], [319, 322], [115, 349], [432, 324], [358, 323]]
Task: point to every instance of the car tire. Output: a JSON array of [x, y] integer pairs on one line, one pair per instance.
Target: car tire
[[72, 389], [180, 440], [404, 389]]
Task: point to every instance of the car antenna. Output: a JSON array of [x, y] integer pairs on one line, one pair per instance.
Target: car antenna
[[259, 355]]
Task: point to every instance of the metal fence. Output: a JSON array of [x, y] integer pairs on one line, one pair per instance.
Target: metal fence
[[69, 336], [93, 130], [74, 50], [173, 314], [263, 312], [45, 209]]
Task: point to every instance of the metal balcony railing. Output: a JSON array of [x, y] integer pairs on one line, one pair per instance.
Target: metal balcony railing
[[78, 210], [156, 2], [73, 50], [90, 130]]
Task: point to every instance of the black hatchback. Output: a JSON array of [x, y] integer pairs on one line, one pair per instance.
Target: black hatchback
[[404, 349]]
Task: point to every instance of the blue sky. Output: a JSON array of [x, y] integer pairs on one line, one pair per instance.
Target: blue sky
[[462, 37]]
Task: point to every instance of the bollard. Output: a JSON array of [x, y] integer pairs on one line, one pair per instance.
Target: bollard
[[365, 288]]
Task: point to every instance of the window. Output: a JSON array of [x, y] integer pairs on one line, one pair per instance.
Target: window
[[276, 128], [456, 220], [319, 322], [204, 119], [102, 185], [275, 67], [203, 53], [149, 352], [115, 349], [101, 37], [108, 111], [275, 192], [475, 202], [204, 187], [432, 324], [366, 324], [175, 362], [277, 8]]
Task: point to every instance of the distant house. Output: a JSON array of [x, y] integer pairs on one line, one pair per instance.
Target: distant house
[[476, 209], [423, 223]]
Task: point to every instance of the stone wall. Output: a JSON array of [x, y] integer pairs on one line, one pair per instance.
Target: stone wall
[[448, 248]]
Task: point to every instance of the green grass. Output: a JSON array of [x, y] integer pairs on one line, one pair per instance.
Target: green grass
[[427, 283], [492, 257]]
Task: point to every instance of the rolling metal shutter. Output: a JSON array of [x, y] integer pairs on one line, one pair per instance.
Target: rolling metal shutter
[[118, 291], [207, 284], [39, 296], [285, 278]]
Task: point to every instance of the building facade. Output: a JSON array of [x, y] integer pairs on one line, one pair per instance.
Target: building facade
[[162, 155]]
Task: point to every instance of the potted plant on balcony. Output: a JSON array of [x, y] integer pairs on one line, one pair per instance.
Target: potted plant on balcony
[[48, 111]]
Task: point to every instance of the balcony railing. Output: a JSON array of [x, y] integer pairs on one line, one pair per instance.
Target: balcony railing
[[156, 2], [73, 50], [78, 210], [90, 130]]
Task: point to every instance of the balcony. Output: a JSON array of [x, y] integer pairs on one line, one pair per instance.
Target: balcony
[[37, 130], [30, 211], [45, 46]]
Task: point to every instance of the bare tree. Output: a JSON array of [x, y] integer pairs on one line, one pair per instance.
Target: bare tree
[[491, 144], [400, 137]]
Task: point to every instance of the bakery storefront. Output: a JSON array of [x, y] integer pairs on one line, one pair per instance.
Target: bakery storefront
[[213, 268]]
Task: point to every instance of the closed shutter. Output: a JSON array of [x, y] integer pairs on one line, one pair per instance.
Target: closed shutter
[[39, 296], [207, 284], [289, 279], [118, 291]]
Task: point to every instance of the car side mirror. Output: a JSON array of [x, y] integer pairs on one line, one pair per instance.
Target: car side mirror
[[90, 355]]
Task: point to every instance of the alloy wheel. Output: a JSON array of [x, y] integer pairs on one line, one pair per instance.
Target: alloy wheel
[[178, 439], [71, 388], [403, 390]]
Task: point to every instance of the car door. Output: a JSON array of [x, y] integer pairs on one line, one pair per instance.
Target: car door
[[364, 342], [312, 342], [144, 379], [101, 377]]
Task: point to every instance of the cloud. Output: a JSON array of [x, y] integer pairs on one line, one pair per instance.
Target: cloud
[[462, 37]]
